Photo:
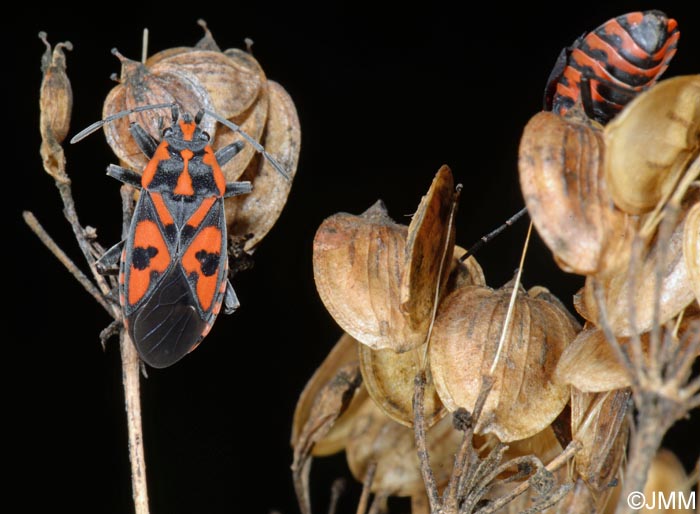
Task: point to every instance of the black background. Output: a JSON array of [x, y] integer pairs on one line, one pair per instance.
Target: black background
[[384, 99]]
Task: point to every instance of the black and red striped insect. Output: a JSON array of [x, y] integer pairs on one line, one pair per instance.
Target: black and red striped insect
[[173, 265], [608, 67]]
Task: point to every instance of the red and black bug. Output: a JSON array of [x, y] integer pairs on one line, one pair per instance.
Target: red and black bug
[[608, 67], [173, 265]]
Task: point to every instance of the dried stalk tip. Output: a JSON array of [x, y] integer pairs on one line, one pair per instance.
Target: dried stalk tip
[[56, 104]]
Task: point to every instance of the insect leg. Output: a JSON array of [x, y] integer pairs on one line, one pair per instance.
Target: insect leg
[[231, 302], [228, 152], [143, 139], [124, 175], [108, 264], [237, 188]]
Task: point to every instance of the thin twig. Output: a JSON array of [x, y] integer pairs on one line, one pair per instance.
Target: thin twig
[[556, 463], [337, 489], [366, 488], [421, 443], [378, 505], [45, 238]]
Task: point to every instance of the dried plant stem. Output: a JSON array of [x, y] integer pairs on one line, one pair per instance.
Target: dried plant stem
[[131, 376], [45, 238], [337, 489], [421, 444], [366, 488], [556, 463]]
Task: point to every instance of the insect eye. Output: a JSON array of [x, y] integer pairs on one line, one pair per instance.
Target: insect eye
[[204, 136]]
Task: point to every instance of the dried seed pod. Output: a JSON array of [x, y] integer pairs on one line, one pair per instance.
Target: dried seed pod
[[542, 293], [55, 103], [430, 241], [524, 399], [258, 211], [648, 144], [590, 364], [140, 87], [620, 289], [544, 445], [254, 123], [233, 88], [376, 438], [691, 248], [561, 177], [331, 401], [344, 353], [464, 273], [389, 378], [56, 94], [600, 423], [358, 262]]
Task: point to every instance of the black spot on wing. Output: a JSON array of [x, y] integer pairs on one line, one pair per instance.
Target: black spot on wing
[[209, 262], [141, 257], [168, 326]]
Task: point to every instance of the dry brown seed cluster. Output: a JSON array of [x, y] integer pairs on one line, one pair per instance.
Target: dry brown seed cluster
[[232, 84], [619, 205]]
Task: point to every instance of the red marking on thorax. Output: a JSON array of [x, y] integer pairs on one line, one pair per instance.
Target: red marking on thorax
[[219, 178], [184, 181], [187, 129], [161, 154]]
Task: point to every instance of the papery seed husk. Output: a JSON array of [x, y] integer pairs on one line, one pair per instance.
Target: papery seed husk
[[257, 212], [56, 94], [600, 422], [253, 123], [140, 87], [676, 292], [343, 353], [590, 364], [389, 378], [648, 142], [233, 88], [376, 438], [691, 248], [561, 177], [429, 247], [464, 273], [358, 262], [524, 399]]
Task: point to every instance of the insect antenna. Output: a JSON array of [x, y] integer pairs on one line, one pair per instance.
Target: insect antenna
[[112, 117], [258, 147], [488, 237]]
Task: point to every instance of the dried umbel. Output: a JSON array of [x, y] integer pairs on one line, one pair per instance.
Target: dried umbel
[[525, 397], [649, 145], [561, 177], [233, 85]]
